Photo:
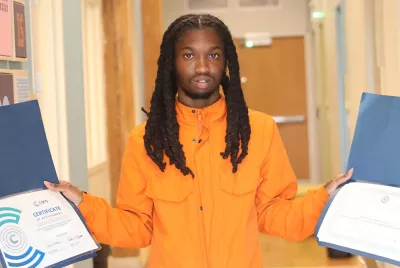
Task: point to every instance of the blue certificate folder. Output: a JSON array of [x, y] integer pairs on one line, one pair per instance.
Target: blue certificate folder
[[375, 152], [25, 158]]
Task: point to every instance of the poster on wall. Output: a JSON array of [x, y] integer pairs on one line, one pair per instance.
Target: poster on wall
[[6, 44], [19, 29], [258, 3], [207, 4], [6, 89], [21, 86]]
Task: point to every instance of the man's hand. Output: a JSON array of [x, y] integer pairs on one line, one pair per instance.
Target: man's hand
[[336, 182], [70, 191]]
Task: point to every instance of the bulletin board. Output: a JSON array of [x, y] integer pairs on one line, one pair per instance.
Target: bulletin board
[[13, 30]]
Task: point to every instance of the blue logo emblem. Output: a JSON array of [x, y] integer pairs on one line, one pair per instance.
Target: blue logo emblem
[[13, 241]]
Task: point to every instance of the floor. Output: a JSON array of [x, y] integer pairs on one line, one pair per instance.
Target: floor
[[124, 263], [278, 253]]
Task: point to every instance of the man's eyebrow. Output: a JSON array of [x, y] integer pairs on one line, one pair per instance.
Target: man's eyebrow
[[212, 48], [188, 48], [216, 47]]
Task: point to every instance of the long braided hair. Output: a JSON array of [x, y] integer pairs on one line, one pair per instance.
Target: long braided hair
[[162, 128]]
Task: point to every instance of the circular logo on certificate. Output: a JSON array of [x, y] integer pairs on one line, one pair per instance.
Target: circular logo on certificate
[[13, 239], [385, 199]]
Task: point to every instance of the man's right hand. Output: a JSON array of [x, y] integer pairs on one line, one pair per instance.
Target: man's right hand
[[70, 191]]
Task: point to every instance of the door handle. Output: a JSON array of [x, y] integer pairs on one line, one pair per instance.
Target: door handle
[[289, 119]]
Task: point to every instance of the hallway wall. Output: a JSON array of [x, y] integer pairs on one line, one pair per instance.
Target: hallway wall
[[372, 37], [59, 81], [373, 60], [288, 19]]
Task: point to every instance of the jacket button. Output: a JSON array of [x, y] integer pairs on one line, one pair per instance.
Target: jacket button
[[193, 111], [201, 207], [194, 139]]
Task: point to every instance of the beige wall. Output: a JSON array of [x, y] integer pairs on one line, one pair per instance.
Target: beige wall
[[355, 79], [386, 49], [289, 19], [364, 56], [389, 57]]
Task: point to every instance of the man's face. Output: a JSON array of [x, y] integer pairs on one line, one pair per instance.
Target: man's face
[[200, 63]]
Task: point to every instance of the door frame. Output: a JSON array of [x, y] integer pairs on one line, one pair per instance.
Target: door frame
[[312, 112], [341, 78]]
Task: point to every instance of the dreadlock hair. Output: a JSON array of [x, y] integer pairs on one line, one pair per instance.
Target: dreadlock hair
[[162, 128]]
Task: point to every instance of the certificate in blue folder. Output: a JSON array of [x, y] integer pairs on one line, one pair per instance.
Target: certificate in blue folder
[[25, 158], [372, 228]]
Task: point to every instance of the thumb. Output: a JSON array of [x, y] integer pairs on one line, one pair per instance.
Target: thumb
[[62, 187]]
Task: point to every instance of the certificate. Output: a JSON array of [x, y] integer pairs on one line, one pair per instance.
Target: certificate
[[364, 217], [41, 229]]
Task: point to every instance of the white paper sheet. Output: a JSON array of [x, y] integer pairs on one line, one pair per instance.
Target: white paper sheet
[[364, 217]]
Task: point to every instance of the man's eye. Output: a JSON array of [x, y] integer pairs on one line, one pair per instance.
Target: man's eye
[[214, 55], [188, 55]]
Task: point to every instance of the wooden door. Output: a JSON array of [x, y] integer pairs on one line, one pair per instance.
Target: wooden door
[[274, 82]]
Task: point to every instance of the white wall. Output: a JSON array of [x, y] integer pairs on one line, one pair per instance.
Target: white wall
[[360, 53], [288, 19], [58, 79]]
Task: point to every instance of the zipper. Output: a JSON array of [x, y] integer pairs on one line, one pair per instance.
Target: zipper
[[199, 123]]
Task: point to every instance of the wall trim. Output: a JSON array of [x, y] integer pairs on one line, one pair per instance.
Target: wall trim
[[312, 122], [138, 62]]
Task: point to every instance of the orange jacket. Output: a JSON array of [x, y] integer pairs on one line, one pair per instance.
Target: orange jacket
[[213, 220]]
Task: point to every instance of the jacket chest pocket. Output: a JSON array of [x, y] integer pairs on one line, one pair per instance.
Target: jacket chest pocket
[[169, 188], [244, 182], [170, 195]]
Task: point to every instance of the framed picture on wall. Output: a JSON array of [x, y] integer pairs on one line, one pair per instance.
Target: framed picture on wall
[[19, 28], [259, 3], [6, 88], [206, 4], [6, 37]]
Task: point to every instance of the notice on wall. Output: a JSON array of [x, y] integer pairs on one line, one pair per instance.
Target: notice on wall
[[22, 92], [6, 44], [22, 89], [20, 30], [6, 89]]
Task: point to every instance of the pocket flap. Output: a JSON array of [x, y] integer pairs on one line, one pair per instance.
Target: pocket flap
[[169, 188], [242, 182]]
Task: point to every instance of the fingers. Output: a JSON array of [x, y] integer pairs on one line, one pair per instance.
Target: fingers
[[61, 187], [345, 177]]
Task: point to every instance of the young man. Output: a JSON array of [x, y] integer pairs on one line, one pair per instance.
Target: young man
[[228, 176]]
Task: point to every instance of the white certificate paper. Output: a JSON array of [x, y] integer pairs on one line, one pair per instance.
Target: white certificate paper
[[39, 229], [364, 217]]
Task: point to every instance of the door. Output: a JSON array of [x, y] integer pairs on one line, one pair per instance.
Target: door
[[274, 82]]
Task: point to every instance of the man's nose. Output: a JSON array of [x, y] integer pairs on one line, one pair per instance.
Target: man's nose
[[202, 65]]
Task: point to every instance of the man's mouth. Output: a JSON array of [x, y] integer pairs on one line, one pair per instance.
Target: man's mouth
[[202, 83]]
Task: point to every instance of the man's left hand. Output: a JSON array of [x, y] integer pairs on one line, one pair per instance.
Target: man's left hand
[[339, 180]]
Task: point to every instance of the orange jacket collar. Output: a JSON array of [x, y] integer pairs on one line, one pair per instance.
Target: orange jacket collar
[[207, 115]]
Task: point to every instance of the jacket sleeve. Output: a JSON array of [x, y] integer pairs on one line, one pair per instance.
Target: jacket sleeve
[[128, 225], [279, 212]]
